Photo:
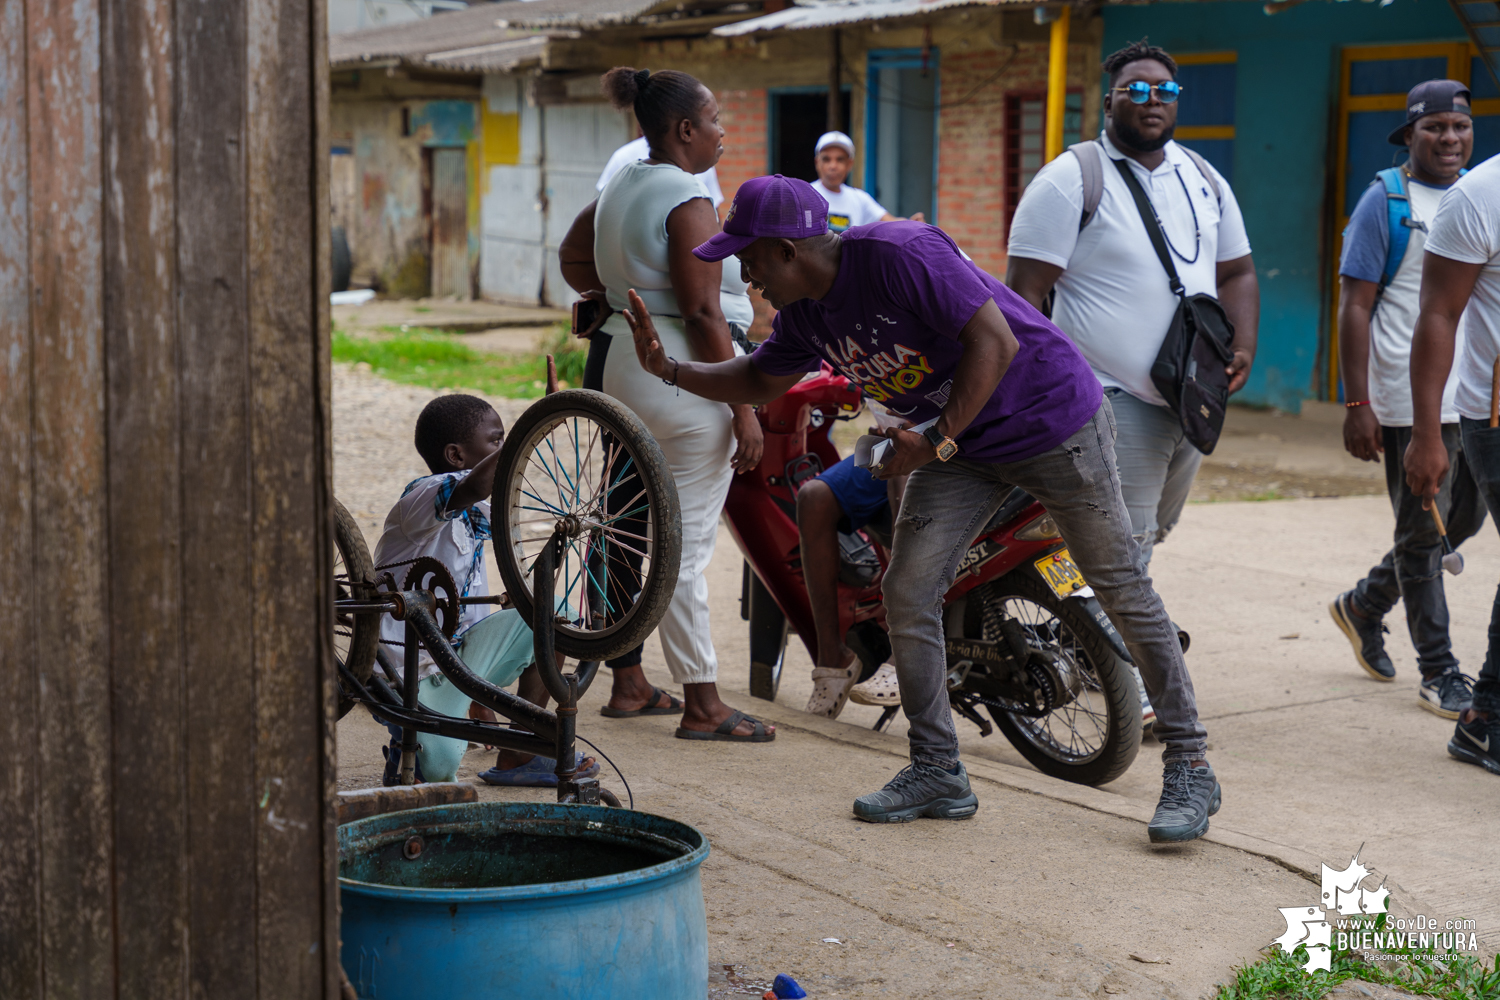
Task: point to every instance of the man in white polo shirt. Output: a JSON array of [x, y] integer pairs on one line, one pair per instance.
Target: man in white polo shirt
[[1113, 297], [1461, 270], [847, 205]]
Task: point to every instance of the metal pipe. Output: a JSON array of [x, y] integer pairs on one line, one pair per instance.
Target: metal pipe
[[358, 607], [1057, 84], [542, 612]]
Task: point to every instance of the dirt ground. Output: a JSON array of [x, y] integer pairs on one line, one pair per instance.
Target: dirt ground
[[1052, 888]]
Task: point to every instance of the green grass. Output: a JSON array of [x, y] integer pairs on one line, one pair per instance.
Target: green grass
[[1280, 976], [440, 360]]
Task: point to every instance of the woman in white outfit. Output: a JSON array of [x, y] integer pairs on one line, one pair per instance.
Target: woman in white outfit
[[639, 235]]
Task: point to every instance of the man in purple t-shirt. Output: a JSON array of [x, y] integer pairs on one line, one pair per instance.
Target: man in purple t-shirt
[[897, 308]]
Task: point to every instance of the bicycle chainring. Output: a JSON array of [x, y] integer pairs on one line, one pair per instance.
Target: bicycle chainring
[[427, 573]]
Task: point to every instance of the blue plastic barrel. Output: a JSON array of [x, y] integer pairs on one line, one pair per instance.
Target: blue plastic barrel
[[520, 899]]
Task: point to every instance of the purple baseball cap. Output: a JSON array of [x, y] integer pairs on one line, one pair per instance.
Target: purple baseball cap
[[776, 206]]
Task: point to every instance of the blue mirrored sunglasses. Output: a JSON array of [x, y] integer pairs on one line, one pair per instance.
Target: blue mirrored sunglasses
[[1139, 92]]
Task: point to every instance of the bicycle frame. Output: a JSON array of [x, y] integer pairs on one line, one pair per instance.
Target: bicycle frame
[[547, 733]]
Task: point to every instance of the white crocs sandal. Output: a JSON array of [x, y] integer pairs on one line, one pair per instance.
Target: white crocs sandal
[[881, 690], [831, 688]]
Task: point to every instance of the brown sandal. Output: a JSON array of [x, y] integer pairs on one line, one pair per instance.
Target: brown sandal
[[725, 732], [653, 706]]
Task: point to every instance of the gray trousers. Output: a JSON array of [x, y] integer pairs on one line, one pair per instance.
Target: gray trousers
[[1157, 467], [943, 510]]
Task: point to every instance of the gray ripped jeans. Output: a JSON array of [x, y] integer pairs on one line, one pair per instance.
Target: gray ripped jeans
[[943, 510]]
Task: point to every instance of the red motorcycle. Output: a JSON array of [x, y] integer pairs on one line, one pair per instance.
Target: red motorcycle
[[1026, 639]]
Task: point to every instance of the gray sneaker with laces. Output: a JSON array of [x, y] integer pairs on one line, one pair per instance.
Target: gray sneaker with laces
[[1189, 795], [1446, 694], [919, 790]]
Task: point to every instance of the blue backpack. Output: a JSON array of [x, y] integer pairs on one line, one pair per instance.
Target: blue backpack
[[1398, 221]]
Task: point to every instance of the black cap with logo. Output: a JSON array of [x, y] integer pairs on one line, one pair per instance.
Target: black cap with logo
[[1432, 97]]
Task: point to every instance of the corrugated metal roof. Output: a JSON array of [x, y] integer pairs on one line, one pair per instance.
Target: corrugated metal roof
[[831, 13], [412, 40], [492, 57], [576, 13]]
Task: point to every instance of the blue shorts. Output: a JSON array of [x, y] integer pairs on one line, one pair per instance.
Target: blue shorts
[[860, 494]]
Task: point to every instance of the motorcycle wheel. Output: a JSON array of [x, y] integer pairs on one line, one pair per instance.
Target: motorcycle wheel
[[1092, 739]]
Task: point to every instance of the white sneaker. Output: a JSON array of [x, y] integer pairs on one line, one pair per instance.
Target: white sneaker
[[831, 688], [881, 690]]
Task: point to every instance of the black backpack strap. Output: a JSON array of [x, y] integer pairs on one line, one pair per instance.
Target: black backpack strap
[[1090, 161], [1153, 224]]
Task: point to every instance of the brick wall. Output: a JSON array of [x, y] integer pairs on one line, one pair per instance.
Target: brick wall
[[743, 115], [971, 145]]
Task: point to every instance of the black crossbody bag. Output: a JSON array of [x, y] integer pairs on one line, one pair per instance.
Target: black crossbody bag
[[1189, 370]]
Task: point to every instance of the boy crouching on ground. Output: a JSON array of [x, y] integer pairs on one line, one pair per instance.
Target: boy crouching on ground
[[446, 516]]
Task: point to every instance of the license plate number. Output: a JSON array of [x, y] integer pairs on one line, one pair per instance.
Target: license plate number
[[1061, 573]]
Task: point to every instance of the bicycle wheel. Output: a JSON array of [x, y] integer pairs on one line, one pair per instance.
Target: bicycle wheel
[[580, 464], [1092, 733], [355, 637]]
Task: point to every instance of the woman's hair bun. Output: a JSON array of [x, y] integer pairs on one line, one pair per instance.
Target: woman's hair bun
[[622, 85]]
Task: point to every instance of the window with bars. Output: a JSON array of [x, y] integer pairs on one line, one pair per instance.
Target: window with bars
[[1025, 140]]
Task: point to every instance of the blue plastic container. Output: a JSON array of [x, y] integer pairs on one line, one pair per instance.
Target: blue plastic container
[[519, 899]]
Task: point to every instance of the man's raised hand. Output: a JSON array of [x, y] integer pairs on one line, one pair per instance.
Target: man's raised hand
[[648, 349]]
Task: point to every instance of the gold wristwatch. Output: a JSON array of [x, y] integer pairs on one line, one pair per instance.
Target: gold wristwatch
[[946, 447]]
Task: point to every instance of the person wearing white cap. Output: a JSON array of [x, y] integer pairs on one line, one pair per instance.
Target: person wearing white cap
[[847, 205]]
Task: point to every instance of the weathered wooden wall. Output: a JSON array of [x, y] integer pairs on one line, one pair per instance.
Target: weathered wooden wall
[[166, 735]]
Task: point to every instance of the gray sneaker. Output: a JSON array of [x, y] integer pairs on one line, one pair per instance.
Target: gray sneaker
[[1189, 795], [919, 790], [1446, 694]]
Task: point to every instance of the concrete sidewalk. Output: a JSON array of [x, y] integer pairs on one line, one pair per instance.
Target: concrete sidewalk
[[1052, 887]]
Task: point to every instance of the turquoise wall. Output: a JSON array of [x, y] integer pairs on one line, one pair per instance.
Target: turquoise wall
[[1285, 109]]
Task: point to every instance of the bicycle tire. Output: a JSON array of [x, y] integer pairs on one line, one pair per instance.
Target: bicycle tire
[[627, 628], [1116, 689], [358, 580]]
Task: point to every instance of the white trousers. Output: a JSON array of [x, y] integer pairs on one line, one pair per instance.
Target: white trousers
[[697, 438]]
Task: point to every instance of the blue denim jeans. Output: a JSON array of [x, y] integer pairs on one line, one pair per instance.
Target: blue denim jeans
[[1157, 466], [1412, 571], [1482, 450], [943, 510]]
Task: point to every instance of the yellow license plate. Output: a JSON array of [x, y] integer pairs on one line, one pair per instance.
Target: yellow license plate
[[1060, 573]]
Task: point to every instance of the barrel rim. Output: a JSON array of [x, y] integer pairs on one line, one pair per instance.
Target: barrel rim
[[514, 893]]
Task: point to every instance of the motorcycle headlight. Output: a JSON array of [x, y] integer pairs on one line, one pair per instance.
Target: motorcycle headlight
[[1042, 529]]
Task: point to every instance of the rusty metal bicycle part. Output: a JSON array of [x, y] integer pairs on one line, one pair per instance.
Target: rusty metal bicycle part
[[429, 574]]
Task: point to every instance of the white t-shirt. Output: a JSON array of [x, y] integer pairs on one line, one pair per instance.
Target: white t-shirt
[[640, 149], [1113, 299], [1394, 321], [630, 244], [850, 206], [1467, 229], [419, 526]]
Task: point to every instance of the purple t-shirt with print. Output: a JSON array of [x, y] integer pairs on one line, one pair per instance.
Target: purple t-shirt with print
[[890, 324]]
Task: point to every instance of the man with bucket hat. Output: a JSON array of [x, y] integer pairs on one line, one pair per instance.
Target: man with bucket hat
[[1003, 399], [1381, 279]]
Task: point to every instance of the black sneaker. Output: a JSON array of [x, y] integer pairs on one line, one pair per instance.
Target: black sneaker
[[1478, 742], [1365, 635], [919, 790], [1189, 795], [1446, 694]]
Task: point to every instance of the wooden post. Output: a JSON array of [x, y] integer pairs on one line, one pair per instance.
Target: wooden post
[[165, 554], [1057, 85], [835, 84]]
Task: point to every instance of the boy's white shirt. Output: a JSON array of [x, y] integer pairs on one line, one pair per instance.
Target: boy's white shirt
[[414, 528]]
